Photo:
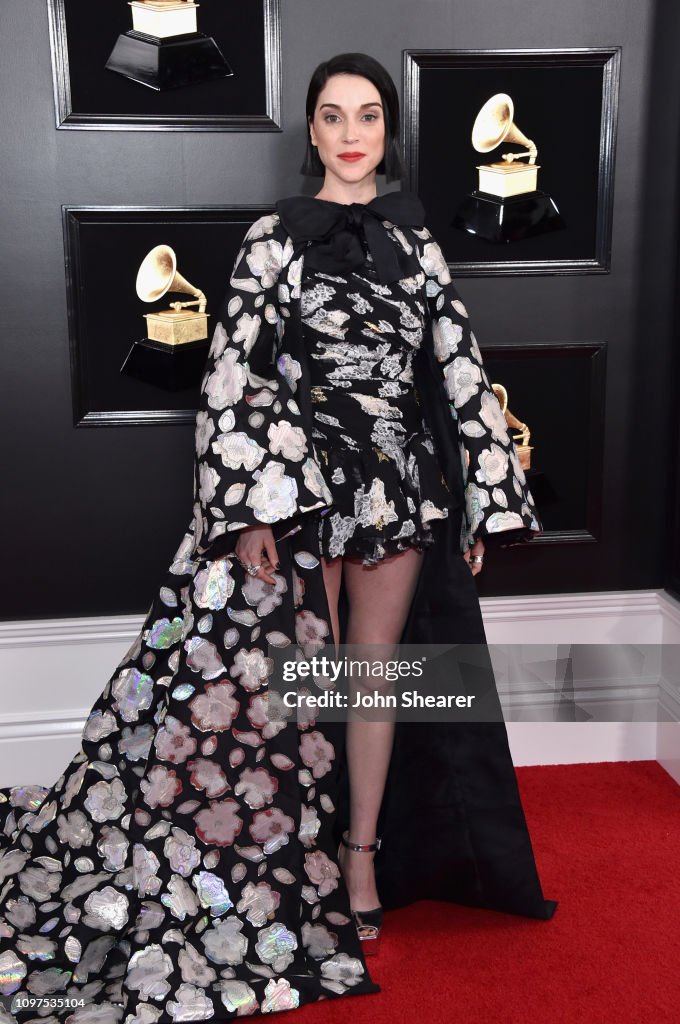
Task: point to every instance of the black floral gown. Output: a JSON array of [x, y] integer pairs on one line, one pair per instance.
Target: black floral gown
[[375, 449], [184, 865]]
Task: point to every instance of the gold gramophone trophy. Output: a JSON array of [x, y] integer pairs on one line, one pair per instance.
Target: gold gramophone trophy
[[173, 354], [524, 449], [507, 206], [164, 48]]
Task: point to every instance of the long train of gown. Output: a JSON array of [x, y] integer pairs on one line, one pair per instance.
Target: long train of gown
[[184, 865]]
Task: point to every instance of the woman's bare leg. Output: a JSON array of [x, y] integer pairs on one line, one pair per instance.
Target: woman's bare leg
[[332, 577], [379, 597]]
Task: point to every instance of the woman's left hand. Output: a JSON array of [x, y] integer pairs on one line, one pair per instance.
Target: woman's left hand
[[476, 549]]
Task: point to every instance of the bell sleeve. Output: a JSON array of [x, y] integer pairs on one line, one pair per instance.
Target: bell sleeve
[[498, 506], [253, 461]]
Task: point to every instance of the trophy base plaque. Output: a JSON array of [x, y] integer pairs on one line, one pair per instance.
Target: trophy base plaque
[[164, 19], [507, 220], [170, 367], [176, 328], [507, 179], [168, 63]]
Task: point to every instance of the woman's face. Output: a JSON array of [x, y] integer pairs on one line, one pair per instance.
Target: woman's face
[[348, 127]]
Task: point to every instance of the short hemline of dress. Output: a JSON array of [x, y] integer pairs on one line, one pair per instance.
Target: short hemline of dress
[[384, 503]]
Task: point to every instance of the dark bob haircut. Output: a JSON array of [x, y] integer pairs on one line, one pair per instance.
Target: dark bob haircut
[[391, 164]]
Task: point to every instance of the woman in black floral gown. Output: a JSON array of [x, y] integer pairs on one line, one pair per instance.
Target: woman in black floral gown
[[186, 866], [369, 432]]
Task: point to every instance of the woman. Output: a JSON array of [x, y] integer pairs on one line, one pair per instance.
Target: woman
[[186, 864]]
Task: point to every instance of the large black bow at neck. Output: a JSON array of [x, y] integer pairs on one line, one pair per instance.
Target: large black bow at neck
[[334, 229]]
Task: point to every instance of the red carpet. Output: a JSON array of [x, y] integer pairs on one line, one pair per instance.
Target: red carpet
[[607, 843]]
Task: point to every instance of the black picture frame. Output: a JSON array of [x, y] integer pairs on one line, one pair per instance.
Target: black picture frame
[[104, 247], [566, 471], [89, 96], [564, 99]]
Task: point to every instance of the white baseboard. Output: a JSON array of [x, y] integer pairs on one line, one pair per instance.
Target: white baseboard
[[581, 742], [53, 671], [646, 617], [668, 748], [607, 617]]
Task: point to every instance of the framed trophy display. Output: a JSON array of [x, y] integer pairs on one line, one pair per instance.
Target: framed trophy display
[[512, 153], [559, 446], [184, 65], [145, 287]]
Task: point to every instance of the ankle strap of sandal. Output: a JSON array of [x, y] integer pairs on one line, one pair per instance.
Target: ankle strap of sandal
[[361, 847]]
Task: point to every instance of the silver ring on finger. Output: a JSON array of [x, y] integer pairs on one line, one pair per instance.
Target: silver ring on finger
[[252, 570]]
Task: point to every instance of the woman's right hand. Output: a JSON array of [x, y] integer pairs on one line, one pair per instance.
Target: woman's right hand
[[252, 542], [476, 549]]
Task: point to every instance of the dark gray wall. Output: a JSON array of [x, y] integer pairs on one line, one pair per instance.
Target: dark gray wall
[[93, 516]]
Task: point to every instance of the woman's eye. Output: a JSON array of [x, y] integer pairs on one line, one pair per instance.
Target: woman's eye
[[327, 117]]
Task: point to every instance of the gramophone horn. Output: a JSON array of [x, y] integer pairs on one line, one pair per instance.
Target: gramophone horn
[[494, 124], [158, 274], [501, 394]]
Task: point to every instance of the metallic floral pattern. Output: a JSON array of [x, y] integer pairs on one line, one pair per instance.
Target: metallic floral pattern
[[183, 866]]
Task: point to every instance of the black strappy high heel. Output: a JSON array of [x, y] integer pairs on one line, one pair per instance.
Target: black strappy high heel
[[368, 923]]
